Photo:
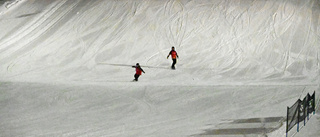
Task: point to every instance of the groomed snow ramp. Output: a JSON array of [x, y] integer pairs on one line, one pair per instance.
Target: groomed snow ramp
[[218, 41], [65, 67]]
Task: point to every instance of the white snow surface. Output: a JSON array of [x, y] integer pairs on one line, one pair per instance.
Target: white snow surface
[[66, 67]]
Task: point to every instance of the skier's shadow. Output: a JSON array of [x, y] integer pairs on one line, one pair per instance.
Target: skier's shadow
[[27, 15]]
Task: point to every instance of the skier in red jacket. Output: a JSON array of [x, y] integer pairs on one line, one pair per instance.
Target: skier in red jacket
[[139, 71], [174, 56]]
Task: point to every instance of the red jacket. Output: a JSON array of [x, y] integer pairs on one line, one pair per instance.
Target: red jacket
[[139, 70], [173, 54]]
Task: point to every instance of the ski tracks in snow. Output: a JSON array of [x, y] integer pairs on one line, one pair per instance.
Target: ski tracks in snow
[[12, 47], [31, 26], [143, 101]]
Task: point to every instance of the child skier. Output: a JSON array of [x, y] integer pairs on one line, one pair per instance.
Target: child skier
[[139, 70], [174, 56]]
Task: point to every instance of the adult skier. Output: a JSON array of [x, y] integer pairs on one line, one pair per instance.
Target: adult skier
[[139, 71], [174, 56]]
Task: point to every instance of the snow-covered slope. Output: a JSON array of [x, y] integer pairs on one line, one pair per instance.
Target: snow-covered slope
[[69, 61], [218, 41]]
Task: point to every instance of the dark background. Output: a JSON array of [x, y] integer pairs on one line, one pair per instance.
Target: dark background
[[2, 1]]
